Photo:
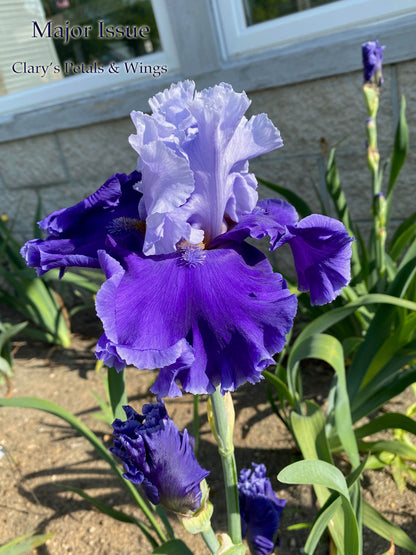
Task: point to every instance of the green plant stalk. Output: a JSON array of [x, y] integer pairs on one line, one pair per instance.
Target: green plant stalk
[[336, 193], [226, 451], [210, 539], [117, 392], [362, 314], [373, 159], [195, 423], [379, 230]]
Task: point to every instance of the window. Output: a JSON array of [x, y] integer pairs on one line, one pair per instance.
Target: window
[[116, 30], [257, 11], [205, 40], [253, 25], [59, 43]]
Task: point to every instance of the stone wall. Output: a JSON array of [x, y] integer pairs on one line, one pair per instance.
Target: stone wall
[[66, 165], [333, 109]]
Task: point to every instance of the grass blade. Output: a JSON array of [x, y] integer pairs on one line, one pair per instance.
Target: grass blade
[[384, 528], [173, 547], [114, 513], [302, 208], [72, 420], [25, 543], [401, 145]]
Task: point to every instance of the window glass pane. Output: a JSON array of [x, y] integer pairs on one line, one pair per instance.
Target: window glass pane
[[115, 29], [60, 42], [257, 11]]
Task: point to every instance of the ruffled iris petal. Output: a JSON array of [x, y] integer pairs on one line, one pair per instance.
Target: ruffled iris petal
[[216, 320], [193, 152], [269, 217], [260, 510], [219, 152], [170, 107], [107, 352], [75, 234], [172, 182], [160, 458], [321, 250], [320, 245]]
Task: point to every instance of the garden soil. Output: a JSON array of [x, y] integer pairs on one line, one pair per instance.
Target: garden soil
[[41, 455]]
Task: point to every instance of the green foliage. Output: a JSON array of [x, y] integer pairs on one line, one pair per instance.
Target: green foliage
[[101, 449], [25, 543], [337, 509], [37, 298], [368, 337], [31, 296], [320, 436], [382, 363], [172, 547], [7, 331]]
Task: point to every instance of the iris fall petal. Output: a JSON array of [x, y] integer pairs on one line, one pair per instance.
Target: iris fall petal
[[75, 234], [206, 318]]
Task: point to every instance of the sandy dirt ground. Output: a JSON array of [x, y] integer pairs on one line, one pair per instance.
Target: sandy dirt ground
[[40, 454]]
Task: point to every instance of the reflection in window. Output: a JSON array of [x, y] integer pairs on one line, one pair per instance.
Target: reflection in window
[[127, 16], [258, 11], [24, 61]]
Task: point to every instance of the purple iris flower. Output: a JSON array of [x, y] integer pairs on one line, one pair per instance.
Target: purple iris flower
[[75, 234], [185, 293], [260, 510], [160, 458], [372, 62]]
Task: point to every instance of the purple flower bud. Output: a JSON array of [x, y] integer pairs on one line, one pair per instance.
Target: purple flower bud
[[160, 458], [372, 62], [260, 509]]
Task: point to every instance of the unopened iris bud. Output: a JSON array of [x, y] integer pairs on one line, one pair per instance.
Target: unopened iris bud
[[260, 510], [225, 444], [373, 155], [372, 62], [160, 458], [373, 77], [200, 521], [373, 158]]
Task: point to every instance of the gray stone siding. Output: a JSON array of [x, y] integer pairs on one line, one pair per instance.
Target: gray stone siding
[[66, 165]]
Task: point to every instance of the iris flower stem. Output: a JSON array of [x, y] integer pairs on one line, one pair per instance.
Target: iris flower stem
[[226, 450], [117, 392], [195, 423], [210, 539], [373, 159]]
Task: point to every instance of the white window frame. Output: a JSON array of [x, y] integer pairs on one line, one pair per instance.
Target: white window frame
[[192, 37], [82, 85], [239, 39]]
